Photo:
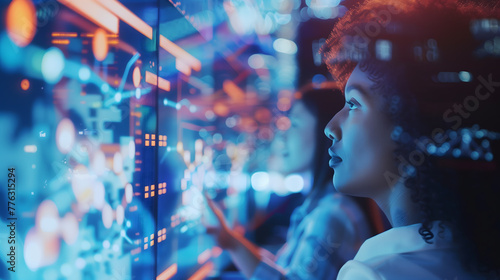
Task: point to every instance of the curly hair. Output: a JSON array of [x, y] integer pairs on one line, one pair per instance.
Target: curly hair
[[425, 57]]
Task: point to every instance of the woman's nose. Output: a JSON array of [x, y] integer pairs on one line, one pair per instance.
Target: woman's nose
[[332, 129]]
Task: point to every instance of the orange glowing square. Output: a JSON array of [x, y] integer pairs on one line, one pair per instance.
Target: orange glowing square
[[164, 230], [153, 143], [145, 246], [146, 136], [164, 237], [152, 243], [147, 143], [146, 240], [151, 78], [146, 188], [159, 239], [152, 187], [152, 193], [146, 195], [153, 136], [163, 84]]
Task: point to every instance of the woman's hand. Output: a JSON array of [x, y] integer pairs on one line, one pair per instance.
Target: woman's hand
[[223, 234], [245, 255]]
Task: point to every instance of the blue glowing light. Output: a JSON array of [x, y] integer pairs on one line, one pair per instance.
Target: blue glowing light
[[286, 46], [217, 138], [383, 50], [84, 74], [260, 181], [256, 61], [465, 76], [294, 183], [431, 148], [485, 144], [52, 65], [104, 88], [118, 97], [488, 156], [318, 79], [474, 155]]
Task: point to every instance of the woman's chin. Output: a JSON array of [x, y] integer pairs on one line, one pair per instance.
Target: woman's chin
[[339, 185], [344, 186]]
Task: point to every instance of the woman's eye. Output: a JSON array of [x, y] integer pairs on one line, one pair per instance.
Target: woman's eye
[[351, 105]]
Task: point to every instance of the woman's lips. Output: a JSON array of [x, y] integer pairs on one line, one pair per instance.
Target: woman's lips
[[335, 160]]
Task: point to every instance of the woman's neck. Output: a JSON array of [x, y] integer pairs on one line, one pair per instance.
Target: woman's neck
[[398, 206]]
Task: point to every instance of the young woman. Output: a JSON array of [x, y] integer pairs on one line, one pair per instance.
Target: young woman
[[419, 135], [328, 228]]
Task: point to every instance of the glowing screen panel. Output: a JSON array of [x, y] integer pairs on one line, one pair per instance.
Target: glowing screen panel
[[107, 121]]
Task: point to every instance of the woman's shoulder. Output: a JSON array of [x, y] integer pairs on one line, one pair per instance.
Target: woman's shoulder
[[405, 266], [401, 253], [357, 270]]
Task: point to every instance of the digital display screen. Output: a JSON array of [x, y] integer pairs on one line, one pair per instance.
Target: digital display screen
[[111, 132]]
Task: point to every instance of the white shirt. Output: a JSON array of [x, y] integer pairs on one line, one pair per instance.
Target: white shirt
[[401, 253]]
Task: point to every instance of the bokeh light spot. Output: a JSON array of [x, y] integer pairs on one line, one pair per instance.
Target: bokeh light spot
[[21, 22], [136, 76], [25, 84], [65, 136], [52, 65], [100, 44], [283, 123]]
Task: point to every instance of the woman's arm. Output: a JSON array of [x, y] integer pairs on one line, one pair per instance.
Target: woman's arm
[[245, 255]]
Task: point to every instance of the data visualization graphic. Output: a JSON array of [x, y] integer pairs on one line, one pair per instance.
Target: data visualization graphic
[[108, 119]]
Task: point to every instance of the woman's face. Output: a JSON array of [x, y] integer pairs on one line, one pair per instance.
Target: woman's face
[[362, 149], [299, 141]]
